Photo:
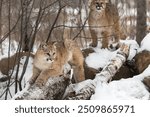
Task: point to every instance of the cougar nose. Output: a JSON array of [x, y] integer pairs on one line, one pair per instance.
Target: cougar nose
[[98, 6]]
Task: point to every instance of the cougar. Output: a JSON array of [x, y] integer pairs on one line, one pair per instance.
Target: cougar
[[104, 23], [51, 57]]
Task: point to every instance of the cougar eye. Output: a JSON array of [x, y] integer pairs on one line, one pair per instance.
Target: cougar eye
[[97, 4], [54, 53], [48, 54]]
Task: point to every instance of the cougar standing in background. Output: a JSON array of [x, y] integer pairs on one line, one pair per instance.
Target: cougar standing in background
[[104, 23]]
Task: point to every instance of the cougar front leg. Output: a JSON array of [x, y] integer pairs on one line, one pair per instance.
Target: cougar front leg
[[36, 73], [105, 40], [45, 75], [78, 73], [94, 38]]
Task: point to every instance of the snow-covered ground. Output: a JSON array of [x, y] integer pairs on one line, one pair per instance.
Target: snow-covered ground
[[27, 75], [131, 88]]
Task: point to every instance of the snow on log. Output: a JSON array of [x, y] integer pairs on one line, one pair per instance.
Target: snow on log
[[86, 91], [80, 91], [114, 65], [53, 90]]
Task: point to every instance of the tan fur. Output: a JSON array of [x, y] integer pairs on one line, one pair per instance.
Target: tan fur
[[103, 22], [7, 64], [51, 65]]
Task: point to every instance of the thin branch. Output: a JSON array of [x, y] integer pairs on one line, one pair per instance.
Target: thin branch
[[6, 35], [52, 27], [81, 29]]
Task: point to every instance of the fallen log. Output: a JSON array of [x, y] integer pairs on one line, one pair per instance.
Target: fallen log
[[53, 90], [104, 76]]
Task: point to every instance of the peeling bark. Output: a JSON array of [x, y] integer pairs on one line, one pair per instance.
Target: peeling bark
[[53, 90]]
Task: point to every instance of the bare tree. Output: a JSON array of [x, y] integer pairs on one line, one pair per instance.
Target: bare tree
[[25, 24], [141, 20], [1, 3]]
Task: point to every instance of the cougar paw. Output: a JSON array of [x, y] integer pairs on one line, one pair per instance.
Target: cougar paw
[[93, 44], [39, 83], [31, 81], [114, 46]]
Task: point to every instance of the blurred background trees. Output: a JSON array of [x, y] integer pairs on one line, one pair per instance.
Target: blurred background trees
[[41, 20], [141, 20]]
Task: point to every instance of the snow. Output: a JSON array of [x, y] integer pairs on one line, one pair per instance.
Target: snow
[[126, 89], [131, 88], [133, 47], [145, 44], [26, 77], [5, 48], [28, 72], [100, 58], [121, 90], [144, 74]]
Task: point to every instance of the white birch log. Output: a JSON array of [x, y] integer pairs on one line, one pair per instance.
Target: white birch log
[[103, 77], [53, 90]]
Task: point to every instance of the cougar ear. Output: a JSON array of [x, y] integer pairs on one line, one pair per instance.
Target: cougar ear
[[54, 44], [43, 45], [89, 2]]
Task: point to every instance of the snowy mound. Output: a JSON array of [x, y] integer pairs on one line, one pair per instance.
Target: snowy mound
[[100, 58], [122, 89], [145, 43], [26, 77], [131, 88], [133, 47]]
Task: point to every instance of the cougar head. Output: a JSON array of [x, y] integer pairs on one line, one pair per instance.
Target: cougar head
[[98, 5], [49, 50]]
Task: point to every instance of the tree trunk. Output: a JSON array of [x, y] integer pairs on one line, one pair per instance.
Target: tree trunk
[[25, 24], [1, 3], [141, 20]]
